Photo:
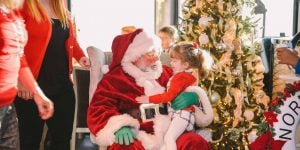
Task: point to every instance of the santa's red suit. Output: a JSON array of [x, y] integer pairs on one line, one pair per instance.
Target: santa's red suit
[[113, 104]]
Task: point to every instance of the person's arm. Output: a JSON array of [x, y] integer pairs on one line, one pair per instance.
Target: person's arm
[[45, 106], [77, 50], [286, 56], [178, 84], [297, 67]]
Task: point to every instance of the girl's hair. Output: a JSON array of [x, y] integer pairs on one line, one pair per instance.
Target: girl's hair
[[195, 57], [39, 13], [12, 4]]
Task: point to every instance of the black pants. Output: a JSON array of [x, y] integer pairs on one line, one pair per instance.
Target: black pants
[[60, 125], [9, 134]]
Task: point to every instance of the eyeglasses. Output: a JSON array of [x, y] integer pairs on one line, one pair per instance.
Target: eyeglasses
[[152, 54]]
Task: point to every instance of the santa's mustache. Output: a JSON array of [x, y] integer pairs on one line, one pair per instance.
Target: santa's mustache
[[151, 68]]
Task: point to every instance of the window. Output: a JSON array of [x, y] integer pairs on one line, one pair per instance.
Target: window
[[279, 17], [98, 22]]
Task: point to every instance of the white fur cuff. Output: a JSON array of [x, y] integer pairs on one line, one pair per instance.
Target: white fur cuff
[[106, 136]]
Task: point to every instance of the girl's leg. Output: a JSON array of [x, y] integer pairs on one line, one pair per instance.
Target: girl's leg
[[179, 124]]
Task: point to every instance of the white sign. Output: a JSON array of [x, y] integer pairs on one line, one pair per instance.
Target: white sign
[[286, 126]]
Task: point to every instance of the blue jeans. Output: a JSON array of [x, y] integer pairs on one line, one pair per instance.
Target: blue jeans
[[9, 132]]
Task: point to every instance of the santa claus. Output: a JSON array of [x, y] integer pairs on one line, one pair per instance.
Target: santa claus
[[114, 116]]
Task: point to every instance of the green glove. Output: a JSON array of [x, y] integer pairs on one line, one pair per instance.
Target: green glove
[[185, 99], [124, 134]]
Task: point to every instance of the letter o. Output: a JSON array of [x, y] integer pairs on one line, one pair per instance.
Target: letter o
[[291, 116]]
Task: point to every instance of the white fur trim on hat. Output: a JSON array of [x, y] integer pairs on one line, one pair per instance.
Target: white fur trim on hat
[[106, 136], [202, 117], [141, 44]]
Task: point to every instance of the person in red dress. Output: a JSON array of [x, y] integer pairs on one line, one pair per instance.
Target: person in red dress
[[13, 67], [113, 115], [185, 58]]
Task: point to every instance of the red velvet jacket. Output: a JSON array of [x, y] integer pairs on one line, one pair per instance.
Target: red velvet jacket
[[115, 93], [39, 35]]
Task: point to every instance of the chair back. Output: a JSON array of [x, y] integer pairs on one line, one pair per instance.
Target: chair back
[[99, 62]]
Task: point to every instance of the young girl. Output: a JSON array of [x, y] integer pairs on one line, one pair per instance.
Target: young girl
[[184, 59], [14, 70]]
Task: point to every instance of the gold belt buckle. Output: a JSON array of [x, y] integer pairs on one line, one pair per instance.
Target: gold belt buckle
[[150, 108]]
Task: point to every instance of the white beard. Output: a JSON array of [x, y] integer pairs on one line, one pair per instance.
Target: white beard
[[146, 77]]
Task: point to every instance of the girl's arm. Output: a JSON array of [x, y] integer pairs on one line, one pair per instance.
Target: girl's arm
[[178, 84]]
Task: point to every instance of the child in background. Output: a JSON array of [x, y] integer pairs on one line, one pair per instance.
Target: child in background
[[168, 36], [184, 58]]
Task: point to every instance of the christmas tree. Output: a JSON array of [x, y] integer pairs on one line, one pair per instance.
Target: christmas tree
[[235, 84]]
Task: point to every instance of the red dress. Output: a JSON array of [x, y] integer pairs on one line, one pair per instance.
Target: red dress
[[178, 83], [13, 38]]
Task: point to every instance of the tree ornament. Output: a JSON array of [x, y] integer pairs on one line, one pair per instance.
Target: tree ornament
[[248, 81], [203, 39], [204, 21], [199, 4], [248, 114], [221, 46], [215, 97], [234, 134]]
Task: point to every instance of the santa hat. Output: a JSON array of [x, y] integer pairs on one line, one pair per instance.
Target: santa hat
[[129, 47]]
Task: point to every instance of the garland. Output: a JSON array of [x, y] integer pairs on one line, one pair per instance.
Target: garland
[[266, 129]]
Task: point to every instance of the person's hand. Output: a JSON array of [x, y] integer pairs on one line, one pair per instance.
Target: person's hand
[[285, 56], [142, 99], [124, 136], [23, 92], [84, 62], [185, 99], [45, 105]]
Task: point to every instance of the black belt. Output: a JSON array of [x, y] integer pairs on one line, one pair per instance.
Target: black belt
[[136, 113]]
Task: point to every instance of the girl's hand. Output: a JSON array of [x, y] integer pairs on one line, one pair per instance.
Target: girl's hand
[[142, 99]]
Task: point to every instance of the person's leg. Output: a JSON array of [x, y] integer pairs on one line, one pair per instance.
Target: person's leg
[[30, 124], [60, 126], [9, 134], [176, 128]]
